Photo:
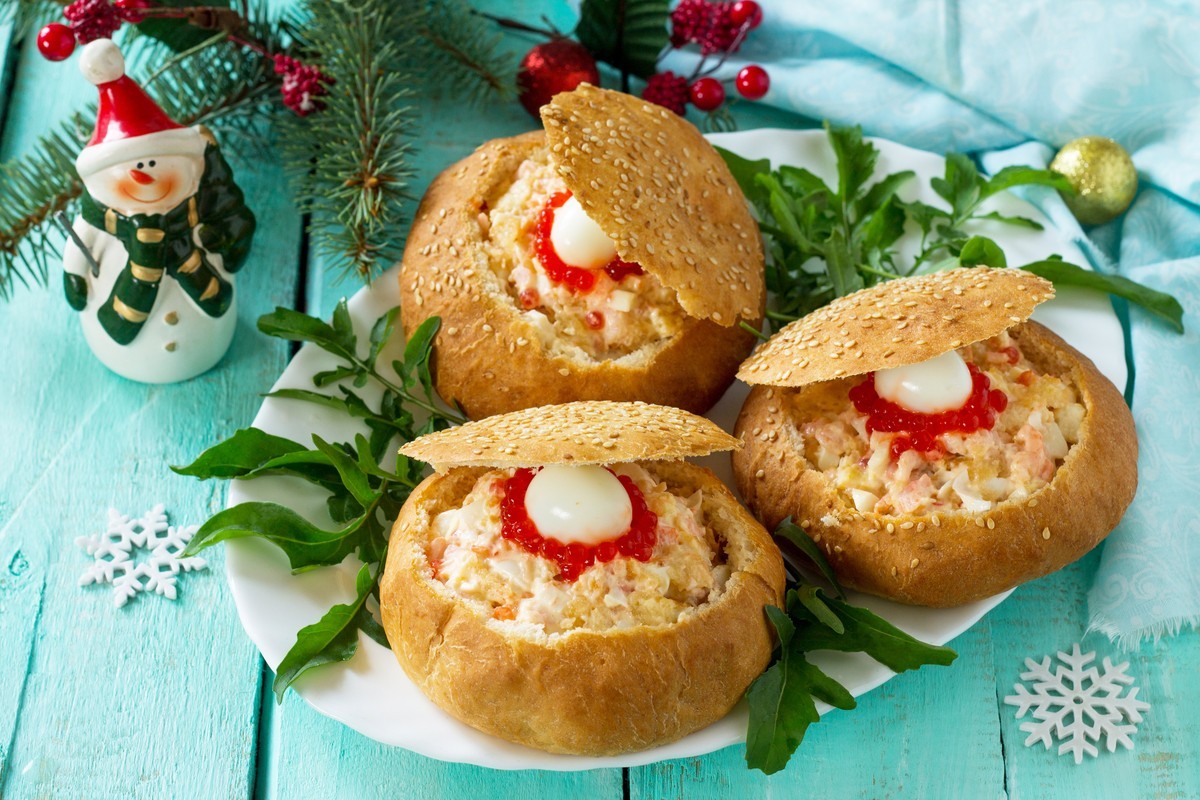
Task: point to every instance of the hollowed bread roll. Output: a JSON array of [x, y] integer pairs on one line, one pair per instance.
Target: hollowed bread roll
[[985, 512], [631, 653], [512, 337]]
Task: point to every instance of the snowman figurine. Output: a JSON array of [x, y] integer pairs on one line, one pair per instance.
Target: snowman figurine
[[150, 260]]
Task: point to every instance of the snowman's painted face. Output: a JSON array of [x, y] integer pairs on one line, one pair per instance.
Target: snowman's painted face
[[148, 185]]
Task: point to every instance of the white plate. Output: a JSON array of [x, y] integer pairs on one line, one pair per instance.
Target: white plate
[[371, 694]]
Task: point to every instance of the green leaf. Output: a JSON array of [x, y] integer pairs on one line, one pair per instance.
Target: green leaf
[[296, 326], [627, 34], [781, 701], [381, 334], [881, 192], [1020, 222], [842, 265], [243, 453], [960, 185], [329, 640], [1009, 177], [353, 478], [416, 355], [1063, 273], [343, 327], [810, 597], [855, 160], [793, 533], [982, 250], [744, 171], [883, 229], [866, 632], [305, 544]]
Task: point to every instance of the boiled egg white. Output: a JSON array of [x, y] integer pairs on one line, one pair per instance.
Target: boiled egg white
[[578, 240], [940, 384], [585, 504]]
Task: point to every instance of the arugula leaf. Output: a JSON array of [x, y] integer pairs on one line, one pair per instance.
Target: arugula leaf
[[244, 452], [305, 544], [331, 639], [793, 533], [982, 250], [1062, 273], [823, 243], [781, 700], [363, 496], [866, 632]]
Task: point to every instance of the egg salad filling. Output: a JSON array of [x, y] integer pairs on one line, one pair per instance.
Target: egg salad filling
[[609, 320], [468, 553], [974, 471]]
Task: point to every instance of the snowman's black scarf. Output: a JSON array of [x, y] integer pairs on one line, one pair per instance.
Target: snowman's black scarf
[[162, 245]]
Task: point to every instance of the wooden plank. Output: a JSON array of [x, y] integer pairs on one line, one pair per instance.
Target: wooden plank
[[929, 734], [1050, 615], [158, 696], [319, 757]]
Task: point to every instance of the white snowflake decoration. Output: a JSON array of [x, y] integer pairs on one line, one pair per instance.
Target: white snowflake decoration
[[113, 555], [1076, 703]]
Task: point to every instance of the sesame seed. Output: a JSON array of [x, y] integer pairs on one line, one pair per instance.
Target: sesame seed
[[979, 522], [907, 526], [891, 528], [916, 562], [1046, 533], [760, 474], [991, 523]]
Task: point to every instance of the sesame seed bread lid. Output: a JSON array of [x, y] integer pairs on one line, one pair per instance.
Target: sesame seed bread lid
[[663, 195], [903, 321], [585, 432]]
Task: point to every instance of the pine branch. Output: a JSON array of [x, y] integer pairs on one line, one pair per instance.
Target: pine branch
[[465, 51], [29, 15], [349, 161]]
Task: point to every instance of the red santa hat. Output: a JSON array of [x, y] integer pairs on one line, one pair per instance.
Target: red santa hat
[[129, 125]]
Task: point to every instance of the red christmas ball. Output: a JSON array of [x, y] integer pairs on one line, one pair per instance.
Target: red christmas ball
[[56, 41], [552, 67], [752, 82], [744, 11], [707, 94]]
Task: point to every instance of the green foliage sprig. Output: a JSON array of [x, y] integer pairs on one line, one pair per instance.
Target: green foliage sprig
[[825, 242], [783, 699], [349, 163], [364, 497]]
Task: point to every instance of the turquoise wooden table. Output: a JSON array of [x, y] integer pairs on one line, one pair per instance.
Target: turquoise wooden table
[[165, 699]]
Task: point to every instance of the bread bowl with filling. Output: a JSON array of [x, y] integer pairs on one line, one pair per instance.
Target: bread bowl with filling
[[567, 582], [939, 447], [610, 257]]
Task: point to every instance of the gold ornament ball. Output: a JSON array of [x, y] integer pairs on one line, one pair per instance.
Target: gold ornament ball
[[1103, 175]]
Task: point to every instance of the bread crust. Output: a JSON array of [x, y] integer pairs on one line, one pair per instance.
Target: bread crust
[[489, 358], [583, 692], [966, 556], [583, 432]]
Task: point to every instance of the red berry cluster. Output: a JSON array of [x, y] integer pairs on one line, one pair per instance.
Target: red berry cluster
[[89, 20], [718, 28], [920, 431], [572, 559], [302, 84]]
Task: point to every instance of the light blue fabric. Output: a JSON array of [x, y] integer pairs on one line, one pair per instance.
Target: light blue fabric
[[989, 75]]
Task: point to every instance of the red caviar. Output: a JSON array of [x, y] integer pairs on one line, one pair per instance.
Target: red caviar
[[572, 559], [577, 279], [920, 431]]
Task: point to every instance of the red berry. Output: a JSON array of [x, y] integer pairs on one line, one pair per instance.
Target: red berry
[[667, 90], [56, 42], [707, 94], [130, 10], [746, 11], [752, 82], [594, 320]]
